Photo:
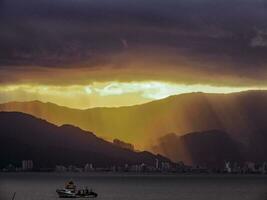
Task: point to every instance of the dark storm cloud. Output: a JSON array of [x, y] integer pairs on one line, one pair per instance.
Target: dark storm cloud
[[223, 36]]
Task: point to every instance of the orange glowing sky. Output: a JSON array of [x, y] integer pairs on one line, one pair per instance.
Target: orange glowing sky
[[105, 94], [84, 54], [109, 85]]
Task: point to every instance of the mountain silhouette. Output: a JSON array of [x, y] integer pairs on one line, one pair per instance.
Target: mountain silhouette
[[208, 148], [26, 137], [241, 115]]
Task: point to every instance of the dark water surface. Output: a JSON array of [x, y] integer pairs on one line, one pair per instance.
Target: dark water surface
[[42, 186]]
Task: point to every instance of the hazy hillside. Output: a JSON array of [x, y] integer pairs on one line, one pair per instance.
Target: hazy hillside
[[239, 114], [212, 148], [26, 137], [209, 148]]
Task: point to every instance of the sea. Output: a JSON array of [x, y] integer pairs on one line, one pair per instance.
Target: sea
[[126, 186]]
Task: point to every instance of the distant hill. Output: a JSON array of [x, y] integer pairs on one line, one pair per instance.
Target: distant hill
[[209, 148], [241, 115], [26, 137], [212, 148]]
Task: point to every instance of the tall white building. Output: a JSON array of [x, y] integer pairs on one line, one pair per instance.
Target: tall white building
[[228, 167]]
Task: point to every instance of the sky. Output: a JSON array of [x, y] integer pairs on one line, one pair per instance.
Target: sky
[[93, 53]]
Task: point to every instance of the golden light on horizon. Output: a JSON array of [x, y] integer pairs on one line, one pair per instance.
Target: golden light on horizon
[[106, 94]]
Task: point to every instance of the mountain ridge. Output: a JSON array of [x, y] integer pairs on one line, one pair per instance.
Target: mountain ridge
[[26, 137], [211, 148], [116, 107], [241, 115]]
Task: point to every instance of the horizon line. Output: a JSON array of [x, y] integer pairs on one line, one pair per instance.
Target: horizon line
[[112, 107]]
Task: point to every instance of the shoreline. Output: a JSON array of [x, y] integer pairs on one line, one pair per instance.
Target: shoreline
[[133, 174]]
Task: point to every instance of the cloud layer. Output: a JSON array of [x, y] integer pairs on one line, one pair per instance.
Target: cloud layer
[[218, 42], [104, 94]]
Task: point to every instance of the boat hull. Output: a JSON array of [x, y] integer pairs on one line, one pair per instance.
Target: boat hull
[[69, 194], [86, 196], [66, 194]]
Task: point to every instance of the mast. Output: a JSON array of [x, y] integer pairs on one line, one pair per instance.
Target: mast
[[14, 196]]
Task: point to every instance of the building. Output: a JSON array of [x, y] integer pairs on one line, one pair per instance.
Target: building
[[157, 164], [27, 165], [165, 166], [88, 167], [264, 168], [251, 167], [228, 168], [61, 168]]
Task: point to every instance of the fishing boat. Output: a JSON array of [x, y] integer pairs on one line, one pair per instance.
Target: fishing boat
[[70, 192]]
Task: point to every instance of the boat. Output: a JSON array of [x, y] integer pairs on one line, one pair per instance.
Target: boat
[[70, 192], [65, 193]]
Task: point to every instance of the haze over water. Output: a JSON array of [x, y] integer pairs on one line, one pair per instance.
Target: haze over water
[[35, 186]]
